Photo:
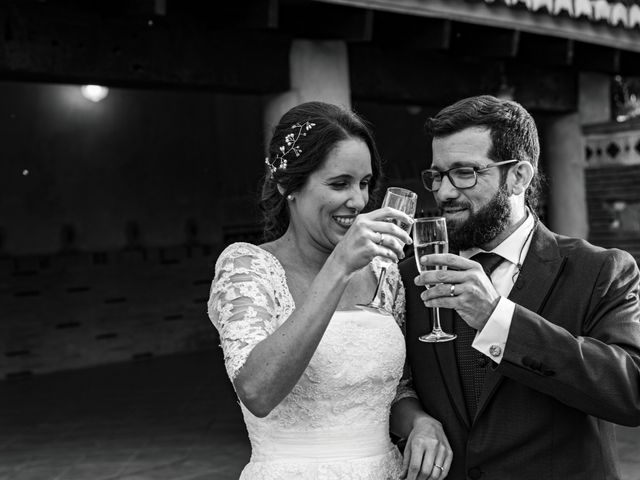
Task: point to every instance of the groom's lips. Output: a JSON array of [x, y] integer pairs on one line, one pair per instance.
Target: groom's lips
[[453, 210]]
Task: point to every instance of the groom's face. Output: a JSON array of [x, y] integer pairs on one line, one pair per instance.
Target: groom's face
[[476, 215]]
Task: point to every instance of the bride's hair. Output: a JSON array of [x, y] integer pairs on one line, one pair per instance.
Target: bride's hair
[[324, 125]]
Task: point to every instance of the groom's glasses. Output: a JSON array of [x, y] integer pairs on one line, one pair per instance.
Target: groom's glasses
[[460, 177]]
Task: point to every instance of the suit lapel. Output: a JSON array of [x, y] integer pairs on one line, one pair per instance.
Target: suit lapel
[[542, 265]]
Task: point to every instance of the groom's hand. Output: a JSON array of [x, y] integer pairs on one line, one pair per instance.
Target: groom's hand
[[463, 287], [427, 454]]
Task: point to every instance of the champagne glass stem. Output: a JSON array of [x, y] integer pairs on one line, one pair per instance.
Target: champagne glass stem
[[437, 329], [376, 297]]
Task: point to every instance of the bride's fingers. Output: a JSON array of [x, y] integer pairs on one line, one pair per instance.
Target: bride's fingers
[[390, 243], [416, 464], [439, 465], [405, 461]]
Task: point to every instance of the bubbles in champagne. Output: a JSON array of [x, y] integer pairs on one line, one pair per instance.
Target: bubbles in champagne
[[428, 249]]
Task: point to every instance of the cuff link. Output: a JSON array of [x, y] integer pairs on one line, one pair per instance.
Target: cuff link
[[495, 350]]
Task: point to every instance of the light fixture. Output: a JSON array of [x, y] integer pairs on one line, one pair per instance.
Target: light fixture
[[95, 93]]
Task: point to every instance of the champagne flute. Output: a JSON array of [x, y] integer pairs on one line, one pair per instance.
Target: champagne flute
[[405, 201], [430, 236]]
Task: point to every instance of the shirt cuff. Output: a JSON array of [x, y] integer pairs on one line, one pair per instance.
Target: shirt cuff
[[492, 339]]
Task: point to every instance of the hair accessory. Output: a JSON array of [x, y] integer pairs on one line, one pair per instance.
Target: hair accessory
[[291, 139]]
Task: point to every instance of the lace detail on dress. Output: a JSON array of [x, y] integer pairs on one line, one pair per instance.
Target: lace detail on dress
[[347, 387], [405, 386], [249, 299], [382, 467]]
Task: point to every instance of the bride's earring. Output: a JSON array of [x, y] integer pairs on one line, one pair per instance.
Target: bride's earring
[[290, 197]]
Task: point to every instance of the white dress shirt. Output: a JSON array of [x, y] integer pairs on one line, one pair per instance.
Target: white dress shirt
[[492, 339]]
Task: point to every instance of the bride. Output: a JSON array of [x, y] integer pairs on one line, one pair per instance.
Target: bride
[[316, 377]]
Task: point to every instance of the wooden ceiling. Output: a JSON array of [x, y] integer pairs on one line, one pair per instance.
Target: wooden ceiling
[[243, 46]]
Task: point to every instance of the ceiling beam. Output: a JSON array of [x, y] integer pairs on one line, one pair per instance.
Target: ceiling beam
[[317, 20], [181, 52], [542, 88], [246, 14], [596, 58], [487, 42], [546, 51], [413, 32], [403, 76]]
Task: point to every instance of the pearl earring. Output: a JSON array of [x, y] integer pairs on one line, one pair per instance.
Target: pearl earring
[[290, 197]]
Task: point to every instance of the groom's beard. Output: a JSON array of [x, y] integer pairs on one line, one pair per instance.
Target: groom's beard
[[482, 226]]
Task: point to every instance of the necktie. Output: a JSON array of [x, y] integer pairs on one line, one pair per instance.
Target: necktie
[[471, 363]]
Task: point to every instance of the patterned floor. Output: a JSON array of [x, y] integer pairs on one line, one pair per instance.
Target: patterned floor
[[165, 418]]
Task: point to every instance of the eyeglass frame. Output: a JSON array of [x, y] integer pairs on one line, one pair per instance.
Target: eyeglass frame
[[475, 169]]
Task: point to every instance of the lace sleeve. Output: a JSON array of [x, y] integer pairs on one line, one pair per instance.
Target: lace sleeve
[[242, 304], [405, 387]]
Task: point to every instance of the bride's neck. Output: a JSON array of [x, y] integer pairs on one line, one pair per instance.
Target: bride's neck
[[301, 251]]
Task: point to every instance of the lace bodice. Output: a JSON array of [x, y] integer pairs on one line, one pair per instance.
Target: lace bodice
[[342, 400]]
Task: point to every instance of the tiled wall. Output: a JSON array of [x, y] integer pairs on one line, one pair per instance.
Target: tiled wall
[[613, 185]]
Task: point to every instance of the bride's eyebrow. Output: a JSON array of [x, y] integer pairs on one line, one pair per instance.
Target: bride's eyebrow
[[342, 176]]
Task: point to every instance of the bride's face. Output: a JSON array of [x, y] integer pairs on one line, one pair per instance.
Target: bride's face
[[332, 197]]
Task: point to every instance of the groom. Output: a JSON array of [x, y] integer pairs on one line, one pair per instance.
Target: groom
[[547, 357]]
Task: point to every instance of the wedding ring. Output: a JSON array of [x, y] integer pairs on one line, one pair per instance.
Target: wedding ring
[[438, 466], [452, 293], [380, 238]]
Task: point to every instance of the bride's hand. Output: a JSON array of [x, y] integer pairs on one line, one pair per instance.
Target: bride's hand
[[427, 454], [372, 235]]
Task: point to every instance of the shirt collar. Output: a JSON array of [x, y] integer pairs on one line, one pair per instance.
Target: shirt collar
[[511, 246]]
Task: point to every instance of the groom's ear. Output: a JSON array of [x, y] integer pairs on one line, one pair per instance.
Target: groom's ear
[[521, 177]]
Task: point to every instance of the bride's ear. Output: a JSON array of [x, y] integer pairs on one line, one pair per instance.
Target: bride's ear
[[280, 189]]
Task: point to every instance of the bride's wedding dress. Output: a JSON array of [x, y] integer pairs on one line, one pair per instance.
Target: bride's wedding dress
[[334, 424]]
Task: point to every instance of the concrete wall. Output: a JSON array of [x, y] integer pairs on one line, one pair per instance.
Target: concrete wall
[[111, 216], [145, 166]]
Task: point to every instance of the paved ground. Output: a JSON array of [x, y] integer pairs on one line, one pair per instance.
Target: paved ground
[[169, 418]]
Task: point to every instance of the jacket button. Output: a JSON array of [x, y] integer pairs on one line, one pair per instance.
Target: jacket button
[[474, 473]]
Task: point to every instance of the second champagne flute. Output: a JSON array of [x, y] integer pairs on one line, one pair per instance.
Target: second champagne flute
[[405, 201], [430, 236]]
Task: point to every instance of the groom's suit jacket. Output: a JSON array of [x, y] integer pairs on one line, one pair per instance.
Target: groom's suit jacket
[[571, 368]]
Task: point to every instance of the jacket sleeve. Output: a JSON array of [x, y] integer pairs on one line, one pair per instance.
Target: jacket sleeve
[[591, 363]]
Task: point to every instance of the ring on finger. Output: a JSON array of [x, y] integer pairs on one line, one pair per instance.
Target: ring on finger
[[380, 238], [452, 293], [438, 466]]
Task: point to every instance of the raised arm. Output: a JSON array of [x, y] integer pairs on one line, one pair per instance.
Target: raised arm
[[277, 357]]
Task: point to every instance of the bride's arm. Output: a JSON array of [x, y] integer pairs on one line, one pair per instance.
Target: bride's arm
[[275, 364]]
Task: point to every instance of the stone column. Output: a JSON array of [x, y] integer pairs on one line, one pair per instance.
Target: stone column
[[562, 147], [594, 98], [319, 70]]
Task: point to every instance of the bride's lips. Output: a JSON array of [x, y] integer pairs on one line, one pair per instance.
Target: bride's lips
[[345, 221]]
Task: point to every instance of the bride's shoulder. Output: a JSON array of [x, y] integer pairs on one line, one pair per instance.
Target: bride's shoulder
[[243, 253]]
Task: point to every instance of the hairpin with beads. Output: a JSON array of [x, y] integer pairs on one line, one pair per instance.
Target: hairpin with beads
[[290, 140]]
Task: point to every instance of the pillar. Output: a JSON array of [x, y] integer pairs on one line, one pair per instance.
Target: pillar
[[594, 98], [563, 152], [319, 70]]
